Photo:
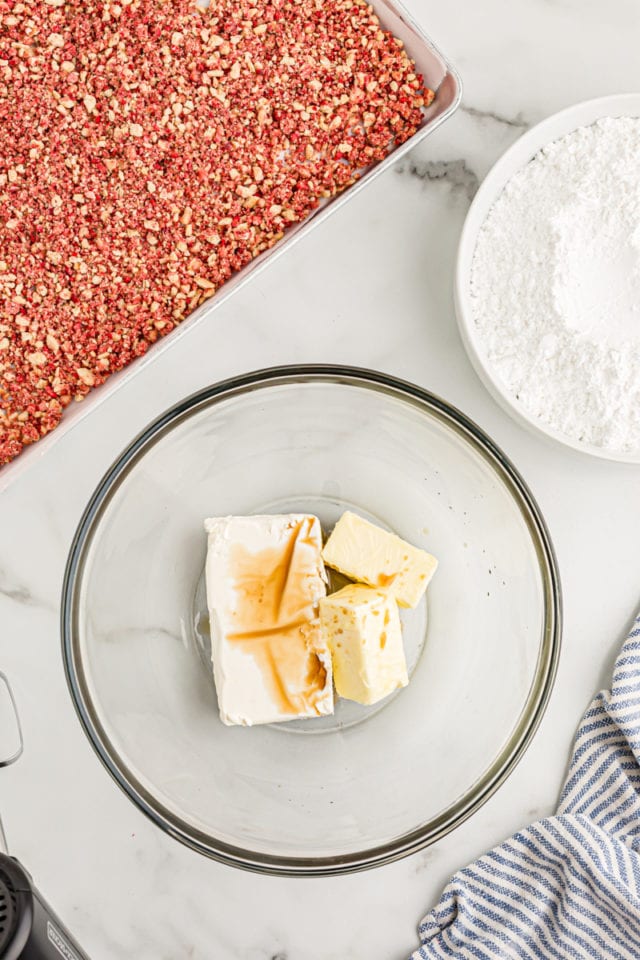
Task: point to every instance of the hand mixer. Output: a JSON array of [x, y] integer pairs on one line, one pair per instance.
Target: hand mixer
[[29, 929]]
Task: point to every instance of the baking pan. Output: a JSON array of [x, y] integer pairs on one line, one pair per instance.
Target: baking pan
[[438, 74]]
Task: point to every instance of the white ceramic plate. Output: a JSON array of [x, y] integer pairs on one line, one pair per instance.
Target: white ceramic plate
[[516, 157]]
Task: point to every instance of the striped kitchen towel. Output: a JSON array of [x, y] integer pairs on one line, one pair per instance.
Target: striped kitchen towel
[[569, 885]]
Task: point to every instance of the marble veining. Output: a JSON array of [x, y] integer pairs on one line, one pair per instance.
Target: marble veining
[[371, 286], [517, 122], [455, 173], [20, 593], [146, 634]]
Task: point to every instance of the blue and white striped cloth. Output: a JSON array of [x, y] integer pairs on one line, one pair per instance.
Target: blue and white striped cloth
[[569, 885]]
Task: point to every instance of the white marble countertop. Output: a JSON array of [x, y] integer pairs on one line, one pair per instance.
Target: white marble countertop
[[371, 286]]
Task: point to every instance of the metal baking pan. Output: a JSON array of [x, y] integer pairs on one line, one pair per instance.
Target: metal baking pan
[[439, 75]]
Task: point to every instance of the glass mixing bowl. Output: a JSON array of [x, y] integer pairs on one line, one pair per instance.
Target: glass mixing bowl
[[367, 785]]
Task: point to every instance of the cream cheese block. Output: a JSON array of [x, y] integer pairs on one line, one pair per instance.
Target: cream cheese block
[[265, 578], [362, 627], [365, 552]]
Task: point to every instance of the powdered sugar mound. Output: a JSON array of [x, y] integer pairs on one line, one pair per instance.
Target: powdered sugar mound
[[555, 285]]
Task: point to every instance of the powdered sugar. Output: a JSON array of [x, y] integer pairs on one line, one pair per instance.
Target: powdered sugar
[[555, 285]]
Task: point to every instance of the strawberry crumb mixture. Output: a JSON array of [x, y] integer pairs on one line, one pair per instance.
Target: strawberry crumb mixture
[[149, 149]]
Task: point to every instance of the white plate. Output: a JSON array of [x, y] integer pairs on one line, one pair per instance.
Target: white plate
[[516, 157]]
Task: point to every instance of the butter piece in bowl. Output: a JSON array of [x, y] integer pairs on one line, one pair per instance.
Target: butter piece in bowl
[[371, 555], [362, 627]]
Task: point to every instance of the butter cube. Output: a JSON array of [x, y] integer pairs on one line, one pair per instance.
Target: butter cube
[[362, 628], [365, 552]]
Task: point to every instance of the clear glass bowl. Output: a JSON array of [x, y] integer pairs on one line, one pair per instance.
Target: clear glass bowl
[[368, 785]]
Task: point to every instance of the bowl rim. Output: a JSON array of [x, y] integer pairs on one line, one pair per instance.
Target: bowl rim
[[519, 739], [515, 158]]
